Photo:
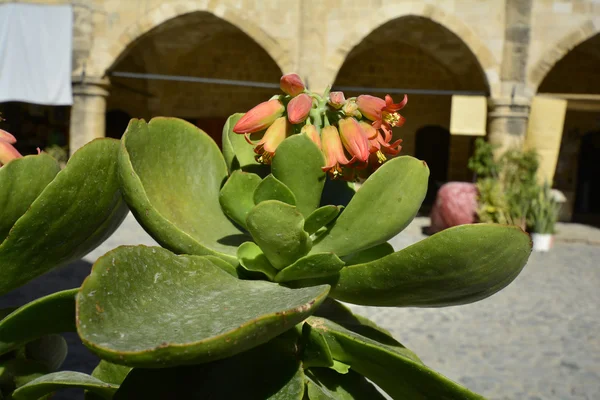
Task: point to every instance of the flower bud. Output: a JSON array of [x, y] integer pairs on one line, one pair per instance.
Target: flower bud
[[337, 100], [370, 106], [291, 84], [354, 139], [311, 131], [333, 151], [7, 152], [277, 132], [260, 117], [7, 137], [368, 130], [298, 108]]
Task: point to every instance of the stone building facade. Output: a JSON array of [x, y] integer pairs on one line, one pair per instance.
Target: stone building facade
[[508, 50]]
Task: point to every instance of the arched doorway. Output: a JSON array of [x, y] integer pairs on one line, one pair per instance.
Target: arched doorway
[[576, 77], [197, 44], [420, 54], [431, 145]]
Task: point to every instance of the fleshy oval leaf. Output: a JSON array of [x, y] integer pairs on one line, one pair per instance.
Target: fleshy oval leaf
[[457, 266], [311, 266], [73, 215], [253, 260], [384, 205], [21, 182], [297, 163], [327, 384], [54, 313], [321, 217], [278, 230], [195, 312], [392, 368], [271, 371], [50, 383], [237, 195], [171, 173], [273, 189]]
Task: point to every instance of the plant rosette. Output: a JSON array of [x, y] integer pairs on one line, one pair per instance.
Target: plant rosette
[[259, 245]]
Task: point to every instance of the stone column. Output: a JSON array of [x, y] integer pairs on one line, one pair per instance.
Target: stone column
[[509, 111], [88, 113], [507, 122]]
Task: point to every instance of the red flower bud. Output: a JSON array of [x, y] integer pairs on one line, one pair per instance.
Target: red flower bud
[[337, 100], [354, 139], [312, 133], [333, 151], [7, 137], [370, 106], [260, 117], [7, 152], [298, 108], [291, 84]]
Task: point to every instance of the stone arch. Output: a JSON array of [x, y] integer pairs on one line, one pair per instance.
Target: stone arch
[[557, 50], [103, 61], [382, 15]]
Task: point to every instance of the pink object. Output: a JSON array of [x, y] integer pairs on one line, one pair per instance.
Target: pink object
[[455, 204]]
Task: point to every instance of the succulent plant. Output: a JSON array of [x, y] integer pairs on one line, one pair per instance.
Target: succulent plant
[[261, 245]]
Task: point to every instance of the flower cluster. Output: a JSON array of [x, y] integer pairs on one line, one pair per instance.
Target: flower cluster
[[354, 134]]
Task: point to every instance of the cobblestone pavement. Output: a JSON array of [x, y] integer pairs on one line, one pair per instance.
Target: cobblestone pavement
[[537, 339]]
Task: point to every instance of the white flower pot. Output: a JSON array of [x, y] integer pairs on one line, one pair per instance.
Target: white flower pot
[[542, 241]]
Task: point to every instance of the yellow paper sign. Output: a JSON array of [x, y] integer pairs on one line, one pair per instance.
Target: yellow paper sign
[[544, 133], [468, 115]]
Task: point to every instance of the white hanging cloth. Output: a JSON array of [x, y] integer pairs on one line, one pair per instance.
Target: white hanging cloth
[[36, 44]]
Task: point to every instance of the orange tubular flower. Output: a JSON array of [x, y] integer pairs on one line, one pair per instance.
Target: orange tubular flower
[[7, 152], [333, 151], [7, 137], [336, 100], [298, 108], [260, 117], [355, 140], [265, 148], [311, 132], [291, 84], [381, 111]]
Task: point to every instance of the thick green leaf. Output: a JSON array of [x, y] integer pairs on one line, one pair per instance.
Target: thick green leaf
[[171, 173], [311, 266], [385, 204], [253, 259], [315, 350], [224, 265], [392, 368], [273, 189], [54, 313], [50, 350], [368, 255], [74, 214], [238, 153], [297, 163], [63, 380], [321, 217], [237, 195], [459, 265], [326, 384], [111, 373], [16, 372], [270, 371], [191, 310], [21, 182], [278, 229]]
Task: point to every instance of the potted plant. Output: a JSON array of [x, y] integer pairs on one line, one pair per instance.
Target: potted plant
[[543, 213], [260, 244]]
